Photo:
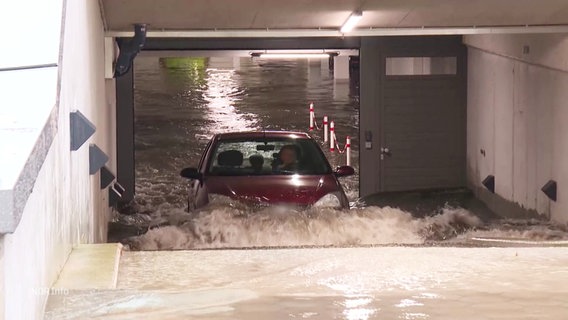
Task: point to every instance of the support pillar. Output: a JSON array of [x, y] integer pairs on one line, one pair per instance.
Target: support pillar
[[237, 63], [324, 65], [341, 67]]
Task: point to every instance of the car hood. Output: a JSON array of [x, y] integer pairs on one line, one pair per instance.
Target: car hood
[[295, 189]]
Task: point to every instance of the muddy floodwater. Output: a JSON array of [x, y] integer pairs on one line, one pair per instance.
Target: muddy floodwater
[[332, 283]]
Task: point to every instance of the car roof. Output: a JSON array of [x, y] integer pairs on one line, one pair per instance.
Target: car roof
[[262, 134]]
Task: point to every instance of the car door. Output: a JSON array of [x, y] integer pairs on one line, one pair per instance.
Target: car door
[[198, 195]]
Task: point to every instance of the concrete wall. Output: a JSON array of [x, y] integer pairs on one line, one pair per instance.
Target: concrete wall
[[66, 206], [517, 115]]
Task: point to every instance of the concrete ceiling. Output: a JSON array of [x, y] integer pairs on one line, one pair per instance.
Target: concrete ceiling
[[120, 15]]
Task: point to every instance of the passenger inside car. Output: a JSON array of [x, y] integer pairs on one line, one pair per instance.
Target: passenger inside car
[[256, 163], [228, 161]]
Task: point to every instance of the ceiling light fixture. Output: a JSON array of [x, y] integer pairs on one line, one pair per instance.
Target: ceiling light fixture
[[351, 21], [275, 55]]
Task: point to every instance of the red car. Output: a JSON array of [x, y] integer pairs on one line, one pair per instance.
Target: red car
[[266, 167]]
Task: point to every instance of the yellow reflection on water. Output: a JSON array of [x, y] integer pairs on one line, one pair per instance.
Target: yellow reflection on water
[[221, 95]]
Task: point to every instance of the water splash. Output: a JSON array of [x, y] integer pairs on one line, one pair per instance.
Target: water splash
[[230, 225], [530, 230]]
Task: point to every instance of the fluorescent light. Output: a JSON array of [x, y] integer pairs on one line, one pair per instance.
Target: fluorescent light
[[292, 55], [351, 21]]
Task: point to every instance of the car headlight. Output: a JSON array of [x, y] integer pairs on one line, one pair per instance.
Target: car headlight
[[330, 200]]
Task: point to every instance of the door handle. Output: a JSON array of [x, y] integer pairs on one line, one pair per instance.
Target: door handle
[[386, 152]]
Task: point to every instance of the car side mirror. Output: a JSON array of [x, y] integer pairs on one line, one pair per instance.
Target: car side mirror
[[191, 173], [344, 171]]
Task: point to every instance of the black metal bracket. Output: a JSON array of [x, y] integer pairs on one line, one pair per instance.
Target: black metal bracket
[[549, 189], [128, 49], [97, 159], [107, 177], [489, 183], [115, 194], [81, 129]]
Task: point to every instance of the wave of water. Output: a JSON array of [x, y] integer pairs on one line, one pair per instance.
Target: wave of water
[[230, 224], [233, 226], [520, 229]]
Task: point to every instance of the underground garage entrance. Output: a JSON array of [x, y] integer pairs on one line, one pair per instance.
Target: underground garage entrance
[[405, 109]]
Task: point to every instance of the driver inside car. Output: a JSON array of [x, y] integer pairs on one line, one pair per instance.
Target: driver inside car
[[288, 157]]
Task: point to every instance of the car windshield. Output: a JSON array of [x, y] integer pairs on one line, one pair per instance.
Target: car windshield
[[267, 156]]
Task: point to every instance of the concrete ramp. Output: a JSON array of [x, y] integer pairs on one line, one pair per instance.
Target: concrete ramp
[[90, 266]]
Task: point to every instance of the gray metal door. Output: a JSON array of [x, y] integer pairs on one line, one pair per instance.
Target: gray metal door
[[412, 113], [422, 133]]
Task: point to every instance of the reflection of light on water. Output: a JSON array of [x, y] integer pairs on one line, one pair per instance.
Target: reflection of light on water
[[411, 283], [356, 308], [404, 303], [356, 302], [410, 303], [304, 315], [427, 295], [221, 94], [414, 316], [358, 313]]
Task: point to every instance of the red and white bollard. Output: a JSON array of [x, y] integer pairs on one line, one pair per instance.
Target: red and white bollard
[[332, 136], [312, 114], [348, 150], [325, 129]]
